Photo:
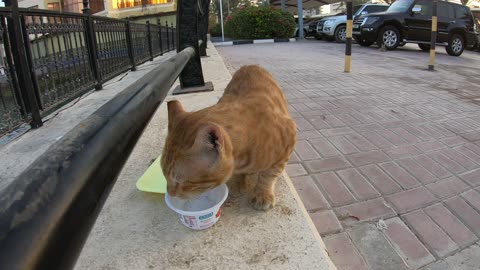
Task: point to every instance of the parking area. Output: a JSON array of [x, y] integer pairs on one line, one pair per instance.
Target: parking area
[[387, 160]]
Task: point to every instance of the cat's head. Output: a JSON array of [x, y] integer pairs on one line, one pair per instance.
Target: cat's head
[[197, 155]]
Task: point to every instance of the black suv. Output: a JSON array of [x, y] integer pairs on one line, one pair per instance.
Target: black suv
[[411, 21]]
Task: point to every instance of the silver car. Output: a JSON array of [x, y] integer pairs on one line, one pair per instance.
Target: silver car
[[335, 27]]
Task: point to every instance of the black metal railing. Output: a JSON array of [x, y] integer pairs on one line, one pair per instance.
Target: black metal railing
[[68, 54]]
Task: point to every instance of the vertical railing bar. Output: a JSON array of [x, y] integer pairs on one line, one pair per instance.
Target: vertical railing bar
[[149, 39], [92, 50], [28, 54], [173, 37], [128, 34], [168, 41], [11, 68]]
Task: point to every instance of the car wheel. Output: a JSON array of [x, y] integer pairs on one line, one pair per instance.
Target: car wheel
[[389, 36], [456, 45], [341, 34], [362, 42], [424, 47]]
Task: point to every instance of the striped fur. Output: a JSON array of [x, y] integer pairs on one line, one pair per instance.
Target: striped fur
[[245, 139]]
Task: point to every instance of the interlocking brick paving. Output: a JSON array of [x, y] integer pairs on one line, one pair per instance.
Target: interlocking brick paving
[[389, 143]]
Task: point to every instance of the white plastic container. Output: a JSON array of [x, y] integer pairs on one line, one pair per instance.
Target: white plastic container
[[201, 212]]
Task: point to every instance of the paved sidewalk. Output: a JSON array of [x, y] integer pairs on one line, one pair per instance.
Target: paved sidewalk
[[387, 160]]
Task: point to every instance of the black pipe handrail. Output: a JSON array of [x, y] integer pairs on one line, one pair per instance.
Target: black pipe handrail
[[48, 211]]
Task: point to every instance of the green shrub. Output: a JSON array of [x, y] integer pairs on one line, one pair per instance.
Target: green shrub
[[259, 22], [216, 30]]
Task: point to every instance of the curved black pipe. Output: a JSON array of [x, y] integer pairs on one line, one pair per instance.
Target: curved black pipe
[[47, 213]]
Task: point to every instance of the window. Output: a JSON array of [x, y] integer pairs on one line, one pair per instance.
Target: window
[[400, 6], [54, 6], [77, 6], [445, 10], [461, 12], [137, 3], [373, 9], [426, 7]]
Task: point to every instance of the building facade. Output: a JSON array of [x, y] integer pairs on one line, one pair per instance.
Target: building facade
[[111, 8]]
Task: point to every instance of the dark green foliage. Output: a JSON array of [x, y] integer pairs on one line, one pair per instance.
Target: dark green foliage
[[259, 22]]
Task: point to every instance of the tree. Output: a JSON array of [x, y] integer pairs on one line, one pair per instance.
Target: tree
[[228, 6]]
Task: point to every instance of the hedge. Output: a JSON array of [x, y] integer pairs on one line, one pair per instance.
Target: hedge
[[259, 22]]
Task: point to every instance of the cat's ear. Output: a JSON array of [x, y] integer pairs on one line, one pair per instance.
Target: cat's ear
[[210, 140], [174, 109]]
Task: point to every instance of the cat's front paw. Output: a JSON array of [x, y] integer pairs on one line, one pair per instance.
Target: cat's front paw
[[262, 201]]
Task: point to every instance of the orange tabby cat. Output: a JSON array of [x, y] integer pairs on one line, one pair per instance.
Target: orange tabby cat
[[247, 138]]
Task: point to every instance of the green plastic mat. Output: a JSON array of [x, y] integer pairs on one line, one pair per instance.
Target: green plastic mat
[[153, 179]]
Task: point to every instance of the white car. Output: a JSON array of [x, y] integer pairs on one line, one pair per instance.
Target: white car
[[335, 27]]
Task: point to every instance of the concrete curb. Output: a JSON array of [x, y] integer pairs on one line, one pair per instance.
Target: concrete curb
[[254, 41], [307, 218]]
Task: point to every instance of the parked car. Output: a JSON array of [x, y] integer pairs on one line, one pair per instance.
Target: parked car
[[409, 21], [335, 27], [305, 28], [312, 29]]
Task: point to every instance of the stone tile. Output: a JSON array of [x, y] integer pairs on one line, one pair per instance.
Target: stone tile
[[467, 259], [419, 172], [337, 131], [308, 134], [411, 199], [303, 124], [375, 248], [294, 170], [451, 225], [468, 153], [319, 122], [360, 142], [465, 212], [420, 134], [342, 144], [436, 239], [343, 254], [459, 158], [380, 179], [405, 135], [430, 146], [364, 158], [294, 158], [392, 137], [401, 176], [449, 164], [305, 151], [326, 222], [336, 192], [413, 252], [334, 121], [365, 211], [377, 140], [324, 147], [453, 141], [402, 152], [329, 164], [360, 187], [309, 192], [432, 166], [473, 198], [447, 187], [472, 177], [438, 265]]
